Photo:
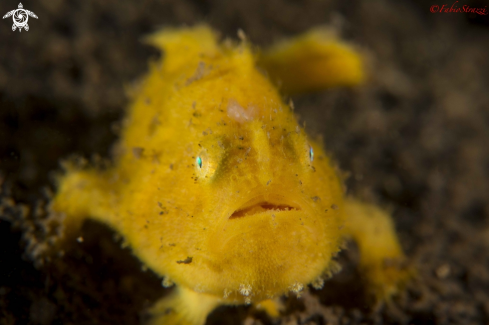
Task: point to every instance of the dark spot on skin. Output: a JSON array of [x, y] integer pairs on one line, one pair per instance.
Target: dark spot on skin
[[315, 198], [137, 152], [153, 125], [199, 74], [172, 245], [188, 260], [334, 207], [156, 157]]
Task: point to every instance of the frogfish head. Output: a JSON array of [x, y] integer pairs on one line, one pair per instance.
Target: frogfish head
[[271, 202], [265, 200]]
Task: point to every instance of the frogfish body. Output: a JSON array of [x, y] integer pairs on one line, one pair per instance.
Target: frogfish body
[[218, 189]]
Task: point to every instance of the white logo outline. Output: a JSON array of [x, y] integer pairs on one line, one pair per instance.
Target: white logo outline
[[20, 17]]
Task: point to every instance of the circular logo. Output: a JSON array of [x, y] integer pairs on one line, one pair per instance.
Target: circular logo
[[20, 18]]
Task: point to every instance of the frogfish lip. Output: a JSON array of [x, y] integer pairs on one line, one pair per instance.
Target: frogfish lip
[[262, 204]]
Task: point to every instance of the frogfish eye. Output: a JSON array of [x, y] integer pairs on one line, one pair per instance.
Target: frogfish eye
[[206, 164], [311, 154]]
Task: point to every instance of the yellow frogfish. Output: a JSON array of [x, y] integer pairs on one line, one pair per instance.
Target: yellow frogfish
[[216, 187]]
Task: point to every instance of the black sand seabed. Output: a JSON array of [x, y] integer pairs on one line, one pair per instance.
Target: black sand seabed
[[415, 139]]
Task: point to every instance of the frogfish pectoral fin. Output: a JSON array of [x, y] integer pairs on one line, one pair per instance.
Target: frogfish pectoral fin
[[182, 307]]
